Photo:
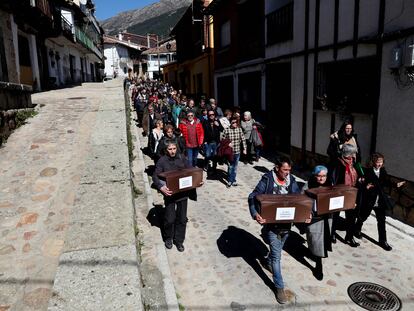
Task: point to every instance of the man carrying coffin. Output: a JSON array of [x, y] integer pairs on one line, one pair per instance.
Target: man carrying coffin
[[175, 219], [279, 181]]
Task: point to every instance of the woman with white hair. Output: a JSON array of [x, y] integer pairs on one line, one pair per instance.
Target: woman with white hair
[[345, 173], [318, 232], [250, 131]]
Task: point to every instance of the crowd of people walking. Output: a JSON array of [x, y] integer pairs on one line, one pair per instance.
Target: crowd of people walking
[[179, 128]]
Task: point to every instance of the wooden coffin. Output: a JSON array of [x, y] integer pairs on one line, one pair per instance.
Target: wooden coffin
[[333, 199], [183, 179], [288, 208]]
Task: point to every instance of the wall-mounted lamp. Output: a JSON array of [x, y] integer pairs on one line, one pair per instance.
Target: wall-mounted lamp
[[403, 71]]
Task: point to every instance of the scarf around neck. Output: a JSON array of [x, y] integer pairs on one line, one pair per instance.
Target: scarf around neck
[[351, 175]]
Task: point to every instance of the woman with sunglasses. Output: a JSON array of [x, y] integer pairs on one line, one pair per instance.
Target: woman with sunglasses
[[235, 134], [211, 139]]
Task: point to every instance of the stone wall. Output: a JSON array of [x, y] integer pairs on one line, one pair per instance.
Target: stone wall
[[15, 96]]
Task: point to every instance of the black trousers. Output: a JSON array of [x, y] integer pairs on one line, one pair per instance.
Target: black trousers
[[175, 219], [350, 219], [380, 214]]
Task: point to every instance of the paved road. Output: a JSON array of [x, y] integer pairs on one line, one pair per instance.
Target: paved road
[[64, 190], [219, 269], [40, 166]]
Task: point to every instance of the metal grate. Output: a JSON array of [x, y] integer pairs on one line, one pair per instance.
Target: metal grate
[[373, 297]]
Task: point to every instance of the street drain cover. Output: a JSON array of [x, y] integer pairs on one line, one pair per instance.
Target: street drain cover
[[74, 98], [373, 297]]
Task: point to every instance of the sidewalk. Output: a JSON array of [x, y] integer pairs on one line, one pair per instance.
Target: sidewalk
[[219, 269], [67, 231]]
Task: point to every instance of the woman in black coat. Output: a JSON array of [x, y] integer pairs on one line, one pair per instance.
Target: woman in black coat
[[344, 172], [345, 135], [374, 198]]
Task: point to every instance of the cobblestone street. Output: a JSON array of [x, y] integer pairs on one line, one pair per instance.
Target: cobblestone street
[[67, 227], [219, 269]]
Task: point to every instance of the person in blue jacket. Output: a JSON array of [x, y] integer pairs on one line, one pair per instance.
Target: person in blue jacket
[[278, 181]]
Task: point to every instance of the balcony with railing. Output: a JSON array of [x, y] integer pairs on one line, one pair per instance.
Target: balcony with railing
[[280, 25], [43, 6], [67, 28], [87, 42]]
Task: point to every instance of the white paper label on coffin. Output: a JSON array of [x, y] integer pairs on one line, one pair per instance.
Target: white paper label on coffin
[[185, 182], [285, 213], [336, 203]]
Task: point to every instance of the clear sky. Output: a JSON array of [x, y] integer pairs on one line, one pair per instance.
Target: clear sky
[[109, 8]]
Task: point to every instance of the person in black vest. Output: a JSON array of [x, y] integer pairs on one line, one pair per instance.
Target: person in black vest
[[374, 198]]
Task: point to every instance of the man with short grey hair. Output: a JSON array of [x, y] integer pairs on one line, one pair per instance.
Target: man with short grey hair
[[217, 110]]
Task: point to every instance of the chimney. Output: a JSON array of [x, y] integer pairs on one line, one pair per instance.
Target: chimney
[[148, 41], [120, 36]]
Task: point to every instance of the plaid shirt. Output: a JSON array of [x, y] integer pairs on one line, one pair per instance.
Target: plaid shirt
[[237, 137]]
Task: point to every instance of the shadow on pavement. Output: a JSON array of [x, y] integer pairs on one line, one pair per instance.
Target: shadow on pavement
[[150, 170], [156, 217], [218, 175], [236, 242], [295, 247], [261, 168], [373, 241]]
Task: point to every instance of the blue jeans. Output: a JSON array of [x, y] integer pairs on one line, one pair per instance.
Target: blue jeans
[[232, 169], [276, 245], [192, 154], [210, 150]]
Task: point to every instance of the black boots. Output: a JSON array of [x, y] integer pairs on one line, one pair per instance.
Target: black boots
[[349, 239], [385, 245]]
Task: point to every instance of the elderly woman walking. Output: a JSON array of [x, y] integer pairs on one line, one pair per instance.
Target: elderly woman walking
[[345, 173], [253, 139], [318, 232]]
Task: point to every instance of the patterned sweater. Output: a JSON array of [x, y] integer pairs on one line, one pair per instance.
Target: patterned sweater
[[237, 137]]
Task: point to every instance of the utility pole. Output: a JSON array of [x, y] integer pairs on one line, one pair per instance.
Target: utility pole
[[158, 54]]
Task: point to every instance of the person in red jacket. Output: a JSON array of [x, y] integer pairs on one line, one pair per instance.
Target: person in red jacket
[[193, 133]]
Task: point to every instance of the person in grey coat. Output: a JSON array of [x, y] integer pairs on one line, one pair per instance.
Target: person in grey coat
[[318, 232]]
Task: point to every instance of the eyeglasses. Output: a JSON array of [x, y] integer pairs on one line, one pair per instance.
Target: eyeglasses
[[235, 122], [190, 115], [321, 176]]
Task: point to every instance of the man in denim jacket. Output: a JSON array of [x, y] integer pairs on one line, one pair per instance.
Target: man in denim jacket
[[278, 181]]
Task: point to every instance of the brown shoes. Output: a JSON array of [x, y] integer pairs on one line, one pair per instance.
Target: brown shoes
[[281, 296]]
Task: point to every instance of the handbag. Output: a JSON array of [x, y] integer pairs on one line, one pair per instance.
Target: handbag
[[256, 138]]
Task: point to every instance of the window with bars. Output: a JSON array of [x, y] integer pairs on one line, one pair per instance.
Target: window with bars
[[225, 34], [280, 25], [3, 63]]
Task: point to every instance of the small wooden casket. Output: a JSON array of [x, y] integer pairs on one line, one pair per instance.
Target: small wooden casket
[[333, 199], [288, 208], [183, 179]]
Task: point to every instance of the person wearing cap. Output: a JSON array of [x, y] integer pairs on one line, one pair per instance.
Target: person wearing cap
[[318, 232], [192, 130]]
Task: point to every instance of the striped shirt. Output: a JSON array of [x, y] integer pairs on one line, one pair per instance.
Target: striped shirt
[[237, 137]]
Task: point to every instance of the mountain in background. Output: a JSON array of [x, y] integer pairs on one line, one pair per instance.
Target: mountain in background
[[156, 18]]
